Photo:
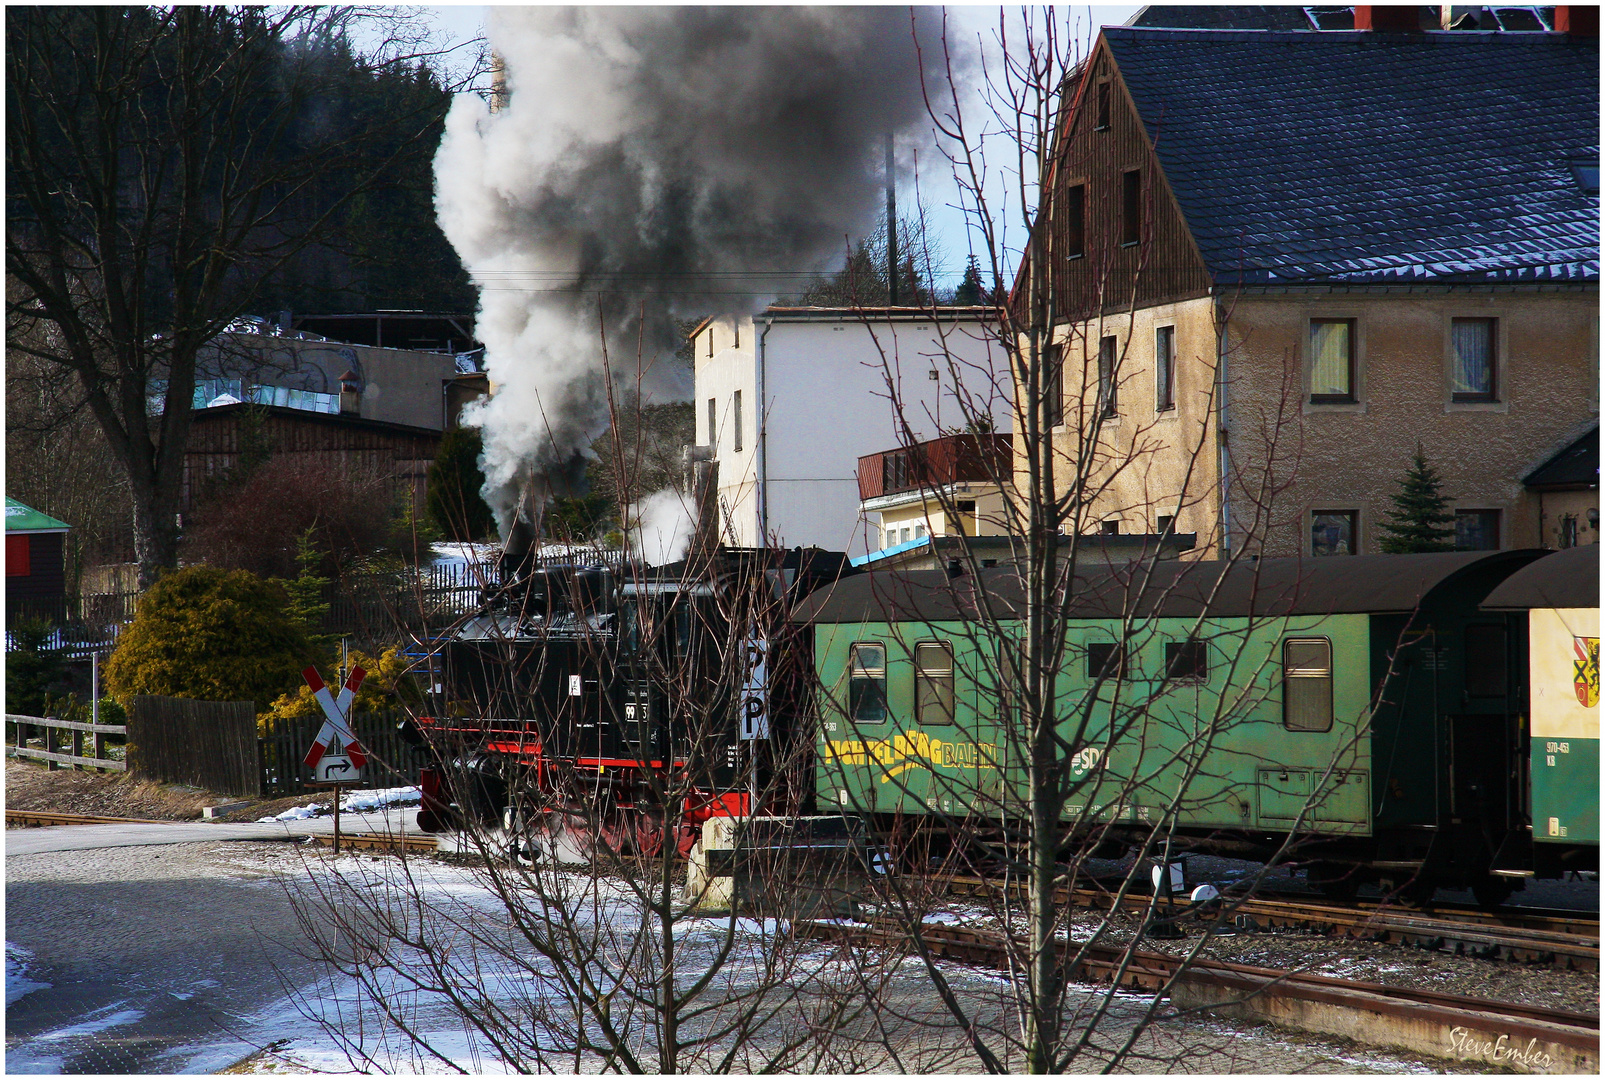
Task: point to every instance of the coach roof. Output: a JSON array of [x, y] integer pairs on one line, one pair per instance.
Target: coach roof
[[1267, 587], [1566, 579]]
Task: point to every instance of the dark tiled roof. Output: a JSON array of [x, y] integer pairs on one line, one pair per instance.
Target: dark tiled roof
[[1575, 466], [1374, 157], [1224, 17]]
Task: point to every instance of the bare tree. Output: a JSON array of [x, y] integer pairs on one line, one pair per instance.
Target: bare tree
[[161, 164], [1062, 743]]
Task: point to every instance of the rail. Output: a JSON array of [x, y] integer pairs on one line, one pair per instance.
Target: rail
[[1566, 943], [76, 759], [1521, 1037]]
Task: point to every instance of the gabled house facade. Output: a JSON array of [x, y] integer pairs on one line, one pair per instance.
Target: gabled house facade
[[1282, 261]]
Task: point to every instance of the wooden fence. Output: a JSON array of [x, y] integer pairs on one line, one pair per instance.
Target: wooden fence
[[210, 744], [391, 761], [48, 727]]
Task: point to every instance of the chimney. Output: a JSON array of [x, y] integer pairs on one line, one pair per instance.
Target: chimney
[[350, 395], [1390, 18], [498, 82], [1580, 21]]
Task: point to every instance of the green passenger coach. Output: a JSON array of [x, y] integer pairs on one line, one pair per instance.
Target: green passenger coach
[[1367, 706]]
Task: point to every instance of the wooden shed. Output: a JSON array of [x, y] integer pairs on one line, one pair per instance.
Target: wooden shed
[[36, 583]]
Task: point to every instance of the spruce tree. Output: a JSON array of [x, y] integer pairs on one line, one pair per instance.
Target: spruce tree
[[970, 293], [1421, 519]]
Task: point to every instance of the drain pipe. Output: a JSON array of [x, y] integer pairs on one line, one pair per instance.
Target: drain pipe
[[762, 464], [1222, 431]]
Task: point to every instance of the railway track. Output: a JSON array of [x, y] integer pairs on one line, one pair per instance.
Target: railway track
[[370, 841], [1563, 941], [41, 817], [1524, 1037]]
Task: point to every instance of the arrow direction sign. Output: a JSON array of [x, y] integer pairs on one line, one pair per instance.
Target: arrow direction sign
[[335, 769], [335, 726]]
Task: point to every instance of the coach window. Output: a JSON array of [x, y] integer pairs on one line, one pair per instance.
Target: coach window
[[1307, 684], [1105, 659], [933, 683], [1186, 661], [866, 687]]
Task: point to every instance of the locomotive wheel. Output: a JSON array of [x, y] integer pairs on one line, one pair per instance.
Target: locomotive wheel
[[648, 834]]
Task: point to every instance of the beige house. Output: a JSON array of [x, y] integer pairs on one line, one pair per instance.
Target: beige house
[[1271, 288]]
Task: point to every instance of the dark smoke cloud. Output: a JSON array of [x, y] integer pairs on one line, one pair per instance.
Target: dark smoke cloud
[[647, 161]]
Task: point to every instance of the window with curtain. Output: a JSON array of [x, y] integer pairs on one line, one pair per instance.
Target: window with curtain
[[933, 682], [1332, 532], [1476, 530], [1164, 368], [1331, 360], [1474, 359], [713, 422]]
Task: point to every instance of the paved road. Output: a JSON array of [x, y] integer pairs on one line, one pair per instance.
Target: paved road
[[151, 948], [81, 837]]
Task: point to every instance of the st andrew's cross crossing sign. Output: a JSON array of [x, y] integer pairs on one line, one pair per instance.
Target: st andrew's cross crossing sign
[[336, 711]]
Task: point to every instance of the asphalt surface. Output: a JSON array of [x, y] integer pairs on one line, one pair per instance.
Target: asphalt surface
[[153, 948]]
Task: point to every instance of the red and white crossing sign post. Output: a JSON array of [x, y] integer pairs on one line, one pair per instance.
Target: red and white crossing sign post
[[344, 764]]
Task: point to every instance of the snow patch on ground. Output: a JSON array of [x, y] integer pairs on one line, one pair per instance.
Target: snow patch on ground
[[356, 802], [18, 985]]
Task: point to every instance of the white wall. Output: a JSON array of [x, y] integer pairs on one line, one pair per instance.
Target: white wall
[[829, 384]]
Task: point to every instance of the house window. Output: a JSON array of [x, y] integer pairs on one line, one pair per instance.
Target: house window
[[1307, 684], [1075, 221], [1333, 532], [1476, 530], [866, 685], [710, 342], [17, 557], [1187, 661], [736, 411], [713, 422], [1475, 359], [1103, 107], [1331, 361], [1107, 389], [1053, 386], [1109, 528], [736, 344], [1106, 659], [919, 532], [1164, 523], [1131, 207], [933, 683], [1164, 368]]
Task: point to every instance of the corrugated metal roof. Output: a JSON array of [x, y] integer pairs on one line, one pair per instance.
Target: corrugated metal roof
[[1374, 157], [20, 518], [1567, 579], [1269, 587]]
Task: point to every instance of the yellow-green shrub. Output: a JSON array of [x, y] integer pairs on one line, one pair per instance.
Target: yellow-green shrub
[[216, 635]]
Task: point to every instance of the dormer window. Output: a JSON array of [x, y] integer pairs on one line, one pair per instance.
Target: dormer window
[[1585, 170]]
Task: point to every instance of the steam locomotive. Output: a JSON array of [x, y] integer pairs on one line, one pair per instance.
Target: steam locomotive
[[632, 703]]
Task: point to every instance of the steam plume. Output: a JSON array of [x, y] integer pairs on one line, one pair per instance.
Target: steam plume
[[652, 162]]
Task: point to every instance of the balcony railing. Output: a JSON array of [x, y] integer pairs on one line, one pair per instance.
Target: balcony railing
[[952, 459]]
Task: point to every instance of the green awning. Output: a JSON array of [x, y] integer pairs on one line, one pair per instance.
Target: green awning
[[20, 518]]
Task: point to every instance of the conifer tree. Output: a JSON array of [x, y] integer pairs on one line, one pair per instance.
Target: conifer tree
[[970, 293], [1421, 519]]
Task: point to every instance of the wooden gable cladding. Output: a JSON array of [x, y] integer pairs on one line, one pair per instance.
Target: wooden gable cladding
[[1108, 229], [354, 447]]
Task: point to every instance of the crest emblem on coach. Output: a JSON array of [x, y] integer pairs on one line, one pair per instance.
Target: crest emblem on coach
[[1585, 670]]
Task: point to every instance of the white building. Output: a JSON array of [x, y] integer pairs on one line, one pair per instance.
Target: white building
[[831, 381]]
